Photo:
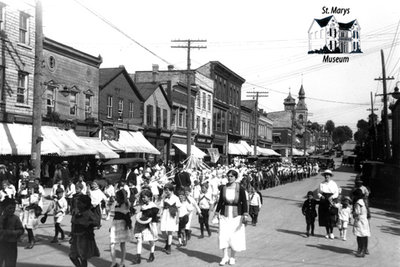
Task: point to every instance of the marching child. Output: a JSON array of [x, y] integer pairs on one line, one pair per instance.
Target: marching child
[[83, 243], [205, 203], [120, 227], [310, 212], [146, 224], [344, 216], [194, 207], [69, 192], [184, 210], [109, 192], [255, 205], [169, 214], [10, 231], [59, 205]]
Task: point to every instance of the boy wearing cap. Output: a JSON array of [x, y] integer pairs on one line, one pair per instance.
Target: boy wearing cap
[[344, 216], [309, 211], [59, 205]]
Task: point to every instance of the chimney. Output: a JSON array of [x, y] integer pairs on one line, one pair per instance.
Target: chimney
[[155, 73], [170, 67]]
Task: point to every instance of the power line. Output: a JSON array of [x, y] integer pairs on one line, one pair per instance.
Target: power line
[[120, 31]]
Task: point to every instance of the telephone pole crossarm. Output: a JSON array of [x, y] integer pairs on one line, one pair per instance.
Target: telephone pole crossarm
[[188, 46]]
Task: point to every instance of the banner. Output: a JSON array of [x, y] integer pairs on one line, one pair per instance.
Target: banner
[[214, 154]]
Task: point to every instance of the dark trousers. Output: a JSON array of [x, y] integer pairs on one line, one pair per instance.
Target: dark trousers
[[182, 224], [253, 212], [58, 230], [8, 254], [31, 238], [203, 220], [310, 221]]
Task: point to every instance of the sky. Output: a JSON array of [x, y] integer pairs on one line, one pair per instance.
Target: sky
[[265, 42]]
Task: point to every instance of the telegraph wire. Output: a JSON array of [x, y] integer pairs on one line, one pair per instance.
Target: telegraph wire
[[120, 31]]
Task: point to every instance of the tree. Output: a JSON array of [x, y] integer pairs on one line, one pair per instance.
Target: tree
[[341, 134], [316, 127], [330, 126], [361, 135]]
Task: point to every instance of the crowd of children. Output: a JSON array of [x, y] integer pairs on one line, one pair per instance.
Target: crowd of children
[[159, 208]]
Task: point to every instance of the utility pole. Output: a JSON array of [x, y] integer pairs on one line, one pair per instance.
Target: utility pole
[[37, 93], [256, 95], [385, 111], [189, 89], [373, 145]]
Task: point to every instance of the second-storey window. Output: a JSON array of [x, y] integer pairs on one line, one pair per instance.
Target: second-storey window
[[120, 109], [109, 106], [50, 100], [22, 90], [165, 118], [158, 117], [23, 28], [88, 106], [149, 119], [209, 102], [131, 110], [204, 101], [73, 103]]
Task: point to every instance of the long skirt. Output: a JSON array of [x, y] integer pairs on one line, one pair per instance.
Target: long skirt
[[83, 245], [232, 233], [326, 216]]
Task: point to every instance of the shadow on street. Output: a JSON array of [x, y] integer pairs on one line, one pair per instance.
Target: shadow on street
[[340, 250], [209, 258]]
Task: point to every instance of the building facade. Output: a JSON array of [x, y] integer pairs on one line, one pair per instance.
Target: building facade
[[227, 104], [177, 93], [71, 81], [157, 117], [17, 57], [335, 36], [120, 103]]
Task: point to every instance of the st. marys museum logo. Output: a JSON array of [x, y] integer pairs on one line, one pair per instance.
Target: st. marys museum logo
[[329, 36]]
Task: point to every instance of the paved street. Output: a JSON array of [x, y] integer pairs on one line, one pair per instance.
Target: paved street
[[278, 239]]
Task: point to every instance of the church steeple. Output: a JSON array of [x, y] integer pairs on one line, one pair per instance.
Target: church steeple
[[301, 107], [289, 102]]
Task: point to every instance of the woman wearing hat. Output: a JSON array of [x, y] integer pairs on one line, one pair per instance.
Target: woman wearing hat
[[232, 211], [328, 191]]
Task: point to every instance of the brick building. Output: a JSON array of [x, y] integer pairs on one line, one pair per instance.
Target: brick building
[[120, 104], [226, 110], [157, 117], [177, 94]]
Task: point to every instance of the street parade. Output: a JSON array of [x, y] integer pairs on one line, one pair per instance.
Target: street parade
[[199, 133]]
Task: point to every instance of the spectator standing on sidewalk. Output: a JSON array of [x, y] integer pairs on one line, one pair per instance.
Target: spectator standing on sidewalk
[[309, 211], [328, 191], [361, 224]]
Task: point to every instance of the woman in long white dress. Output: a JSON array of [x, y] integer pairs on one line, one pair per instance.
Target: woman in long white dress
[[232, 211]]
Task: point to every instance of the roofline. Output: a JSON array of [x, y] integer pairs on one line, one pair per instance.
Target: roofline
[[128, 78], [68, 51], [229, 70], [160, 86]]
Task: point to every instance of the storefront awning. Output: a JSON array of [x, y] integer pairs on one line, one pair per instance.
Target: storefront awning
[[131, 142], [262, 151], [67, 142], [15, 139], [237, 149], [298, 152], [103, 151], [195, 151]]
